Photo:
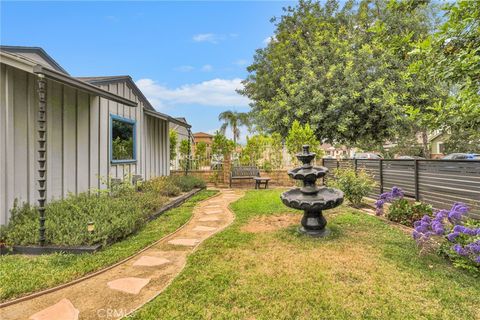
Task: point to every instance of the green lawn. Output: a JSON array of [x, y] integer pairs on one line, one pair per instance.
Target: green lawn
[[366, 269], [20, 275]]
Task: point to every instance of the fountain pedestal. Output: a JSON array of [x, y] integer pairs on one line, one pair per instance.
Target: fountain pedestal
[[310, 198]]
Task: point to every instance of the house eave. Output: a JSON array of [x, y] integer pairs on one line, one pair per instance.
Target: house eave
[[166, 117], [63, 78]]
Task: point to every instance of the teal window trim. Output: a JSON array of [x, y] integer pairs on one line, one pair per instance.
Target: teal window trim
[[126, 120]]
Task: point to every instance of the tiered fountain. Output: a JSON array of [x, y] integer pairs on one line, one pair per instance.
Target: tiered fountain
[[310, 198]]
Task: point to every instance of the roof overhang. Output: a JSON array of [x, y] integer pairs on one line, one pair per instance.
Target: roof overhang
[[63, 78], [166, 117]]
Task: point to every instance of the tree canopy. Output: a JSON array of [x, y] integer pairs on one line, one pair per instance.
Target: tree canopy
[[235, 120], [342, 70]]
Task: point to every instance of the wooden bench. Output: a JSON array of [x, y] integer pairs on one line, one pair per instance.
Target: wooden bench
[[243, 172]]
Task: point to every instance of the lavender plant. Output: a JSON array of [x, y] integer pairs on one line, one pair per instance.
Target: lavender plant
[[460, 235]]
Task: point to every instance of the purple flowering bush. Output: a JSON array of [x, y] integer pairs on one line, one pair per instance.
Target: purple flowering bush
[[401, 210], [459, 237], [387, 197]]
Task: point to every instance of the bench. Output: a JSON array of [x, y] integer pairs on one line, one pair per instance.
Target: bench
[[243, 172]]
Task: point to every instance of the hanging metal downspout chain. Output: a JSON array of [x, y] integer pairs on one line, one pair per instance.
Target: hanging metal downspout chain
[[42, 154]]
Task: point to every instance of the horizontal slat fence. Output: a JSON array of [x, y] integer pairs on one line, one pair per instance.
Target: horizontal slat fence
[[438, 182]]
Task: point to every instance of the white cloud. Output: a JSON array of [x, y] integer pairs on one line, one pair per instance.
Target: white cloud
[[241, 62], [207, 68], [206, 37], [213, 37], [185, 68], [216, 92], [267, 40]]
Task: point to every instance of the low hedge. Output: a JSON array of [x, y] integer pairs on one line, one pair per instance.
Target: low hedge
[[115, 213], [186, 183]]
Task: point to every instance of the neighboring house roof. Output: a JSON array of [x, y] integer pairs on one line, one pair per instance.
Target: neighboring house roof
[[202, 134], [36, 54]]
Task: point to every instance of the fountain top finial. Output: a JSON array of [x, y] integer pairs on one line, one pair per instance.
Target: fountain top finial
[[306, 157]]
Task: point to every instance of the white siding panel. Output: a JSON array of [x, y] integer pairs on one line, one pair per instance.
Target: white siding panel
[[69, 141], [20, 137], [10, 143], [32, 138], [94, 139], [54, 140], [104, 136], [83, 144], [3, 145]]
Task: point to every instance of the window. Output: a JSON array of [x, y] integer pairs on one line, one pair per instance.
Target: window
[[122, 139], [441, 147]]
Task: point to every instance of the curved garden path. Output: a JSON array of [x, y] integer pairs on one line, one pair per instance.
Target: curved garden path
[[126, 287]]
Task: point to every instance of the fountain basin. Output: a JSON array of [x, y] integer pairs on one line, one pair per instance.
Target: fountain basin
[[326, 198]]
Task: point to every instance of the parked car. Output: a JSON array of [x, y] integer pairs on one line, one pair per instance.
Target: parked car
[[411, 158], [366, 155], [462, 156]]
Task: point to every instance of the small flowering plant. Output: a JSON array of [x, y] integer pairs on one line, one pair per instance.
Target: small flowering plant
[[460, 235], [394, 194]]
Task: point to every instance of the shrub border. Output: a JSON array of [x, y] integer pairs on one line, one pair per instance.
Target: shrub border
[[95, 273], [39, 250]]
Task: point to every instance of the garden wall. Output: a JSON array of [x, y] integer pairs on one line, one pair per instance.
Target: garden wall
[[279, 178]]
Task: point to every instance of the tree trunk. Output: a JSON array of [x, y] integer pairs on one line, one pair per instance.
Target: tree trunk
[[234, 137], [426, 150]]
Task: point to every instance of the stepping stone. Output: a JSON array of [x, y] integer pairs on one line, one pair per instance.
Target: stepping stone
[[204, 228], [209, 219], [62, 310], [184, 242], [130, 285], [213, 211], [148, 261]]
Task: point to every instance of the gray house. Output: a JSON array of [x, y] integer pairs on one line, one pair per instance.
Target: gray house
[[60, 134]]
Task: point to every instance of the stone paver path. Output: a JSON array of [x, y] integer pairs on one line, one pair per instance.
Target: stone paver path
[[124, 288]]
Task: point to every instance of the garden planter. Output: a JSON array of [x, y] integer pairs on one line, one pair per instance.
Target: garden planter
[[38, 250]]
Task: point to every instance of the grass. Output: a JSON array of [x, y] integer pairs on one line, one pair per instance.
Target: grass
[[366, 269], [20, 274]]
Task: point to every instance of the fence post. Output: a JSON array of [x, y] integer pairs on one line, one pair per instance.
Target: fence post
[[338, 164], [355, 165], [417, 192], [381, 175], [226, 167]]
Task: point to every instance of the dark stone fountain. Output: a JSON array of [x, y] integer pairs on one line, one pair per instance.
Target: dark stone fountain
[[310, 198]]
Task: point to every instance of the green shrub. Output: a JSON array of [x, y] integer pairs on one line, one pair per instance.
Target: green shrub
[[23, 225], [163, 186], [355, 186], [407, 212], [188, 183], [115, 213], [67, 220]]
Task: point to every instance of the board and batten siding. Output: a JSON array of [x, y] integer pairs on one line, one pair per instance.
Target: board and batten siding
[[78, 139]]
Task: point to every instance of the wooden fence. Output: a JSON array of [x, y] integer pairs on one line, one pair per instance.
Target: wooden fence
[[437, 182]]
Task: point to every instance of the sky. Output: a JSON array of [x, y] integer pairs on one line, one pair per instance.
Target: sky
[[186, 57]]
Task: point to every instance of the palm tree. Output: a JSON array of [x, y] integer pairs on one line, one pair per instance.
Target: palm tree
[[235, 120]]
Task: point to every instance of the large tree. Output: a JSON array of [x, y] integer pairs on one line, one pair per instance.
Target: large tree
[[452, 57], [342, 70]]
